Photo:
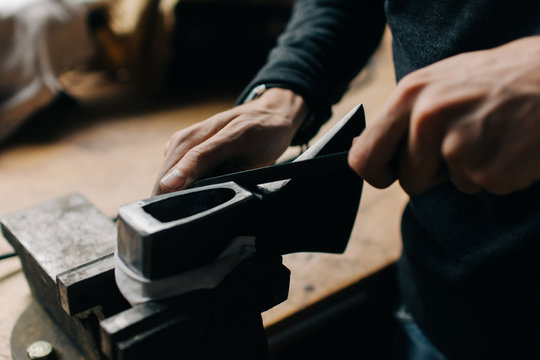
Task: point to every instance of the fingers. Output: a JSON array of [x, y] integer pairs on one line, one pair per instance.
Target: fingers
[[435, 113], [453, 120], [420, 160], [177, 147], [369, 162], [459, 155], [405, 140], [251, 139], [246, 136], [191, 165], [199, 161], [374, 155], [499, 167]]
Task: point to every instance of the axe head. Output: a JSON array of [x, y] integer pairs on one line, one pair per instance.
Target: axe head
[[171, 233]]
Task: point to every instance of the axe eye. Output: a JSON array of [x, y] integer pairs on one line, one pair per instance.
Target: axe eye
[[188, 204]]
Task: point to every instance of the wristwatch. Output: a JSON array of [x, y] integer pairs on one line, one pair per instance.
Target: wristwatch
[[255, 93], [303, 134]]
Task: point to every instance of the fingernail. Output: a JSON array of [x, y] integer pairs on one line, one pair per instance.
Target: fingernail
[[173, 179]]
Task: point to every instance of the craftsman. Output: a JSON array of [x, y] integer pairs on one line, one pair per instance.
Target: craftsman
[[461, 133]]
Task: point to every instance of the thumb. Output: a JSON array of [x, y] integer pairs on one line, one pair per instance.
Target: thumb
[[196, 163]]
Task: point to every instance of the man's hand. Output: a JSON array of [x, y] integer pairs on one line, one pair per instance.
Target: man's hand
[[247, 136], [473, 118]]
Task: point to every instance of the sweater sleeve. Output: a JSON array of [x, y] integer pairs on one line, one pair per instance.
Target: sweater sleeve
[[325, 44]]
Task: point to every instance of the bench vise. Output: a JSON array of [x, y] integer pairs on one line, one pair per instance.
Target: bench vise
[[186, 274]]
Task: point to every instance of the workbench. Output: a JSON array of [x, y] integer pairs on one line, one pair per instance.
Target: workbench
[[108, 147]]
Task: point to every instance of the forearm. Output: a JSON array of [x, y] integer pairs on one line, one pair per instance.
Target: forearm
[[325, 45], [309, 69]]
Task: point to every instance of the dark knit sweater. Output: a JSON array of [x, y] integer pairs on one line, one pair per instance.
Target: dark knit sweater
[[470, 268]]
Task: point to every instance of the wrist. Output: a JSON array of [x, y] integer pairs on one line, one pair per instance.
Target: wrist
[[284, 102]]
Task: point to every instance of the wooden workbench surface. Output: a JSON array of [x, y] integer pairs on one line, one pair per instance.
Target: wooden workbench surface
[[109, 149]]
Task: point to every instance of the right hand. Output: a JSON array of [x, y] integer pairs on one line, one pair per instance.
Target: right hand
[[471, 119], [247, 136]]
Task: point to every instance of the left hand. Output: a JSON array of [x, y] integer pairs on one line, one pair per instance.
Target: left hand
[[247, 136], [473, 118]]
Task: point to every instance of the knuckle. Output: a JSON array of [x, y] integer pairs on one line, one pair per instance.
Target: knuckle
[[366, 166], [194, 156], [489, 179], [428, 110], [468, 188], [408, 186], [361, 166], [358, 166], [492, 180], [173, 140], [453, 147], [379, 179], [247, 128], [177, 138], [412, 83], [250, 128], [360, 159], [246, 133], [188, 137], [376, 180], [413, 80], [500, 189], [422, 119], [413, 185]]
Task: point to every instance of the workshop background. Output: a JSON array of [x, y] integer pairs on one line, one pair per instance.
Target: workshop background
[[90, 91]]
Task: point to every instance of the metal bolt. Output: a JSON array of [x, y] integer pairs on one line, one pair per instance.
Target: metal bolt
[[41, 350]]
